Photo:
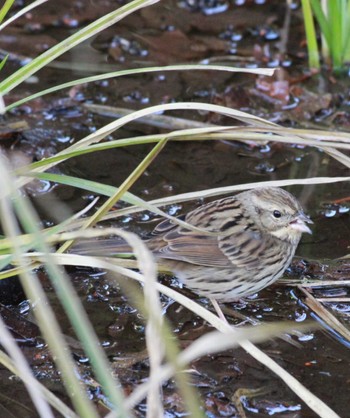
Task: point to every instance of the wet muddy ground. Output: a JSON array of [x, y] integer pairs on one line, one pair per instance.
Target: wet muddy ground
[[246, 35]]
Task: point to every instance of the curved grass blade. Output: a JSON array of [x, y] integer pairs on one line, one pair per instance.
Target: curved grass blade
[[95, 27], [141, 71]]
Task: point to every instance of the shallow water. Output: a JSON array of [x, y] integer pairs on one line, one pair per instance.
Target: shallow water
[[247, 35]]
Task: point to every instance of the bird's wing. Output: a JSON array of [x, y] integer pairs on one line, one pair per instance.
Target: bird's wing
[[245, 249], [193, 249], [211, 251], [230, 249]]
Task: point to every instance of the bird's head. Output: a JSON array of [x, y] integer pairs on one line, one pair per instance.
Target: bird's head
[[277, 212]]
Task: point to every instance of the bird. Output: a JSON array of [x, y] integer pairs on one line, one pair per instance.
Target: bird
[[253, 238]]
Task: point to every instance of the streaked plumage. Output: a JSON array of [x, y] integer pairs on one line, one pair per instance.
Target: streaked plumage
[[257, 234]]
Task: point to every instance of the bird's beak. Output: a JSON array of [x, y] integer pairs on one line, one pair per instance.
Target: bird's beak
[[298, 223]]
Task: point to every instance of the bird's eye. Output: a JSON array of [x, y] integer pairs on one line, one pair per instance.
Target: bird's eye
[[277, 214]]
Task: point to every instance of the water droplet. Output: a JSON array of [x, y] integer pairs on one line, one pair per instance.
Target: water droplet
[[233, 49], [265, 167], [325, 373], [286, 62], [335, 292], [271, 34], [265, 148], [63, 139], [251, 65], [33, 27], [24, 307], [136, 96], [83, 360], [294, 5], [236, 37], [97, 274], [340, 307], [160, 77], [279, 408], [174, 209], [273, 63], [126, 219], [32, 80], [207, 7], [329, 213], [145, 217], [292, 104], [300, 316], [139, 328], [70, 22], [41, 186], [306, 337]]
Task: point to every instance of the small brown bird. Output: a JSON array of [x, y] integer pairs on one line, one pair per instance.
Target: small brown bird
[[257, 233]]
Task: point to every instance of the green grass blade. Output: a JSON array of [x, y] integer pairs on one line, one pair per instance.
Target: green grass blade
[[321, 20], [3, 62], [125, 186], [77, 317], [335, 23], [34, 291], [314, 60], [5, 8], [22, 12], [346, 33]]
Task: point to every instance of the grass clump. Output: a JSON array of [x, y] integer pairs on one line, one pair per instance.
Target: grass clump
[[333, 19]]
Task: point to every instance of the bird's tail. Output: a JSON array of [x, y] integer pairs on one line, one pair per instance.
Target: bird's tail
[[105, 247], [113, 247]]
